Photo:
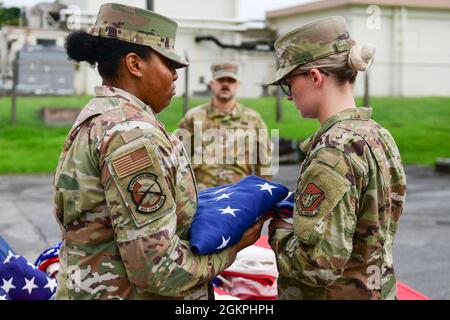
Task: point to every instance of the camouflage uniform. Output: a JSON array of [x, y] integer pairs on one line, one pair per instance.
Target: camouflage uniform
[[348, 202], [241, 117], [246, 161], [125, 196], [135, 25]]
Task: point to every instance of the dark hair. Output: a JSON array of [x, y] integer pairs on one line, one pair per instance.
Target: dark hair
[[106, 52]]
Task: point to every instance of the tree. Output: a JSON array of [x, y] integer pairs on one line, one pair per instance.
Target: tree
[[9, 16]]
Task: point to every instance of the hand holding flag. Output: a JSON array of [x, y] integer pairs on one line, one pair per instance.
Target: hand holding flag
[[21, 280], [224, 213]]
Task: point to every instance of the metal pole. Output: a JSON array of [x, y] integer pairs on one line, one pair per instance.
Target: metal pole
[[279, 111], [150, 5], [366, 89], [14, 92], [186, 87]]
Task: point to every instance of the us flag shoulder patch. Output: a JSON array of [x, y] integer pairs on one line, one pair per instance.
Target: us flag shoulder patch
[[132, 162]]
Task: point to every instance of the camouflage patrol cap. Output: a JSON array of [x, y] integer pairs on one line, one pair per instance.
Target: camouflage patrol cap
[[135, 25], [310, 42], [225, 69]]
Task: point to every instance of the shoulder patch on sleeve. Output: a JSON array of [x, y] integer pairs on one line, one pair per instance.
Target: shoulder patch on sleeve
[[131, 135], [309, 200], [132, 162], [146, 193], [319, 190], [141, 180]]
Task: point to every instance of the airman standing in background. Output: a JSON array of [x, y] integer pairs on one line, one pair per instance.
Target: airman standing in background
[[222, 117]]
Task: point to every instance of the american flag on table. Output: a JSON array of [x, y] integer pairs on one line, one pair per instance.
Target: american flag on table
[[252, 276], [225, 212], [21, 280]]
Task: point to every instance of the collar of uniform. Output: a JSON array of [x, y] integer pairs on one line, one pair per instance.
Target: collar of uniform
[[304, 146], [214, 112], [360, 113], [108, 91]]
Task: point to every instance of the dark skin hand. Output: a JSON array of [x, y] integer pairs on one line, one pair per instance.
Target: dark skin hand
[[278, 223], [252, 234]]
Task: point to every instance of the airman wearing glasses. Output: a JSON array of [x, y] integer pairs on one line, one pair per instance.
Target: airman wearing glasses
[[351, 189], [222, 161]]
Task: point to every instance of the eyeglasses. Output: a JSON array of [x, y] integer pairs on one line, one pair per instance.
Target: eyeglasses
[[286, 85]]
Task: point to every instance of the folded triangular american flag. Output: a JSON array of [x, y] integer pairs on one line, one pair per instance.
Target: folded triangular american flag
[[21, 280], [4, 249], [4, 295], [284, 209], [225, 212]]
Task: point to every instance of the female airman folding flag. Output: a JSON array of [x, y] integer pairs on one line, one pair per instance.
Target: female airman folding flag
[[225, 212]]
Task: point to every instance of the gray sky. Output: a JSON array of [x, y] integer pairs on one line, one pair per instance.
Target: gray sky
[[19, 3], [250, 9]]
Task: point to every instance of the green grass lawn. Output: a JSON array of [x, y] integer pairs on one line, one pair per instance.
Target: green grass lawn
[[421, 127]]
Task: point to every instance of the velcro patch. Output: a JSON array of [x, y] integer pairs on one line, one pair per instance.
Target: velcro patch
[[309, 200], [132, 162], [146, 193], [131, 135]]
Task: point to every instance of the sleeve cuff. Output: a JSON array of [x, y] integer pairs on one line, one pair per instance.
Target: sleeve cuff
[[278, 236], [230, 254]]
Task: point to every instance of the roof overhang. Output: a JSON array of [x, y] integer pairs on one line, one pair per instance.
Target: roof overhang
[[332, 4]]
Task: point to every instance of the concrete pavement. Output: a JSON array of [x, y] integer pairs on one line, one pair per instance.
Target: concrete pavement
[[421, 250]]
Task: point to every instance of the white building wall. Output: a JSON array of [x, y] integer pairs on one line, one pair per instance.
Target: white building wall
[[27, 36], [201, 56], [412, 59], [86, 77], [255, 68], [286, 24], [427, 53], [410, 51], [200, 17], [367, 29], [90, 81], [198, 8], [186, 8], [94, 5]]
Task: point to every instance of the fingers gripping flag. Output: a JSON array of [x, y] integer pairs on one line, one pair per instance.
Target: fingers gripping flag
[[21, 280], [285, 208], [48, 261], [225, 212]]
